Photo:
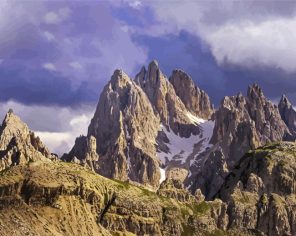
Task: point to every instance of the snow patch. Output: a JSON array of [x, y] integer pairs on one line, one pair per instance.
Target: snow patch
[[194, 119], [181, 148], [162, 175]]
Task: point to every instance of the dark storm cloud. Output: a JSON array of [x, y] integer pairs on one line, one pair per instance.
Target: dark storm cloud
[[40, 86], [61, 53]]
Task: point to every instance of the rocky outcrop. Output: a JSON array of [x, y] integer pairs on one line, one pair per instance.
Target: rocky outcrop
[[288, 114], [194, 99], [84, 152], [18, 144], [261, 191], [241, 123]]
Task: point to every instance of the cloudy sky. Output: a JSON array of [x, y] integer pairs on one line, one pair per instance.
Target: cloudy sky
[[56, 56]]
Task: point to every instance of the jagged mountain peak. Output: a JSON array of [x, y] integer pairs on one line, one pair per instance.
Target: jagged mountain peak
[[284, 102], [288, 114], [244, 122], [119, 79], [12, 126], [153, 65], [255, 91]]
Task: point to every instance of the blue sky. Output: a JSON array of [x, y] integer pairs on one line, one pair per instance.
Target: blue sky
[[56, 56]]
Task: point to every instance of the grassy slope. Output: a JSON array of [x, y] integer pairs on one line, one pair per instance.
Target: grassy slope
[[66, 199]]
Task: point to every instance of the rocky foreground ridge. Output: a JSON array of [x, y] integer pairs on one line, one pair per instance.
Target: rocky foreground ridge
[[57, 198]]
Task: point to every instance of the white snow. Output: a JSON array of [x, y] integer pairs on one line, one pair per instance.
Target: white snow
[[183, 147], [162, 175], [195, 120]]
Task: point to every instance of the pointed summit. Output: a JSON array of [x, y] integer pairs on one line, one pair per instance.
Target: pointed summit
[[288, 114], [284, 102], [18, 144], [153, 65], [119, 79], [254, 91]]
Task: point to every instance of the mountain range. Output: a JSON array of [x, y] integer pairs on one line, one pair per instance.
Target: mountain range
[[158, 159]]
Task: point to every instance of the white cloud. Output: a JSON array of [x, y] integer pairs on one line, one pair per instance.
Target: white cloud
[[238, 32], [269, 43], [49, 36], [56, 126], [49, 66], [75, 65], [56, 17]]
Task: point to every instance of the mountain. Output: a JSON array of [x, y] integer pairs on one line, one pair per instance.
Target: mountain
[[212, 189], [155, 127], [18, 144], [137, 124]]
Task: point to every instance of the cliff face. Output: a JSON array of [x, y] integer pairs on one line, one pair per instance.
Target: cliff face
[[18, 144], [261, 192], [288, 114], [195, 99]]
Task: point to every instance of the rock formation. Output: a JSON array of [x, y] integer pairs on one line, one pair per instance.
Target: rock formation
[[155, 132], [18, 144], [288, 114]]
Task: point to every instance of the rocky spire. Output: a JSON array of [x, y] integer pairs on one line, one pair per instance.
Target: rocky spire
[[18, 144], [288, 114], [195, 99]]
